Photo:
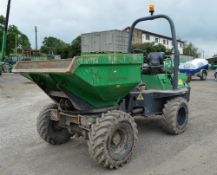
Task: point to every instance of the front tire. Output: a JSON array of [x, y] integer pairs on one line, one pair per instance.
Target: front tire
[[175, 116], [112, 139], [48, 129]]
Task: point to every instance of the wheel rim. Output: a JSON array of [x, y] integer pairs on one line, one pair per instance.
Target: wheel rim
[[120, 143], [204, 76], [55, 126], [182, 117]]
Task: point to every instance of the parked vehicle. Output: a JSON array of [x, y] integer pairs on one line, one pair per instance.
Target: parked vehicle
[[197, 67]]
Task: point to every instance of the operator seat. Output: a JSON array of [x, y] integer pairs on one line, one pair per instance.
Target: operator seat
[[155, 63]]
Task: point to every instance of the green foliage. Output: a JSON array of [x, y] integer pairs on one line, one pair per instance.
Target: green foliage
[[24, 41], [75, 47], [191, 50], [55, 46], [2, 22], [152, 47], [14, 37]]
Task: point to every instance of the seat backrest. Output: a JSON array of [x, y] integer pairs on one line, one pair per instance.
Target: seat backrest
[[156, 59]]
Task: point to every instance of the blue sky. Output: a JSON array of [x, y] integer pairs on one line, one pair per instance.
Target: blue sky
[[195, 20]]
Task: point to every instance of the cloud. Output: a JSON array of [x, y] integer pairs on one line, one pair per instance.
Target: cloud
[[65, 19]]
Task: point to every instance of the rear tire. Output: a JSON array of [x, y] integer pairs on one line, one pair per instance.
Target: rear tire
[[175, 116], [1, 70], [203, 76], [48, 130], [112, 139]]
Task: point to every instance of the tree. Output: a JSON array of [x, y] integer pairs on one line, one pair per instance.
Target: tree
[[75, 47], [152, 47], [54, 46], [159, 48], [14, 37], [191, 50], [2, 22]]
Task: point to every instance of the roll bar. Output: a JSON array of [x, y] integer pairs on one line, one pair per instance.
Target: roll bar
[[174, 42]]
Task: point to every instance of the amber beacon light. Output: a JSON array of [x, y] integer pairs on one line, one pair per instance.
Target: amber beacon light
[[151, 9]]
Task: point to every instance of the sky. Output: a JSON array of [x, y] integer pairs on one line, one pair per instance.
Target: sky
[[195, 20]]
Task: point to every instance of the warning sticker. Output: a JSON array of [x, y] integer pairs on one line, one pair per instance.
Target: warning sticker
[[180, 83], [140, 97]]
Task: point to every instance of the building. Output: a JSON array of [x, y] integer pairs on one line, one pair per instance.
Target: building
[[143, 36]]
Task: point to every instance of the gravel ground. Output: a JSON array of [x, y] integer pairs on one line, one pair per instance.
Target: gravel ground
[[22, 152]]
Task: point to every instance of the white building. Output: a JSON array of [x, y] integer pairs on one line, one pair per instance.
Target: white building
[[142, 36]]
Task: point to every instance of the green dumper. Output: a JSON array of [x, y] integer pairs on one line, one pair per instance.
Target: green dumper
[[97, 95], [98, 81]]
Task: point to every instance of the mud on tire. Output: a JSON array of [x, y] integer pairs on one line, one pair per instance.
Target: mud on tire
[[175, 116], [112, 139], [48, 130]]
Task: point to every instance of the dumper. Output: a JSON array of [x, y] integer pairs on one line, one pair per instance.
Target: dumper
[[98, 95]]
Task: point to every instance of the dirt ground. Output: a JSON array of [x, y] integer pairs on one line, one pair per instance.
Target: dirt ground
[[22, 152]]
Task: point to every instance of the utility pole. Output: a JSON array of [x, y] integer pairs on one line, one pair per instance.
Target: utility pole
[[36, 38]]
